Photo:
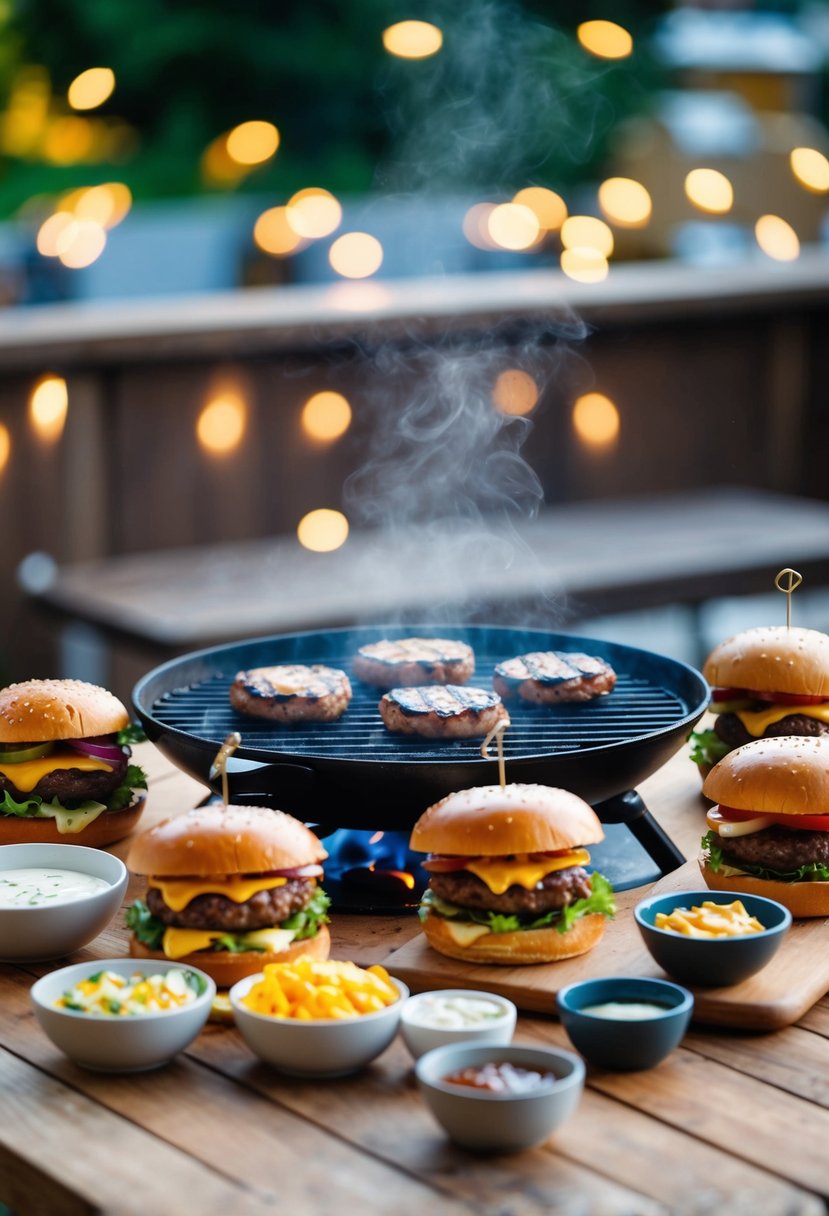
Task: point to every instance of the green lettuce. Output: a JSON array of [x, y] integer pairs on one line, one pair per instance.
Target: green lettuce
[[308, 920], [133, 733], [707, 748], [32, 805], [146, 927], [600, 900], [812, 871]]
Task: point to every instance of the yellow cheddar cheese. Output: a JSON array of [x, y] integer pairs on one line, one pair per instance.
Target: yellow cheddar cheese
[[26, 775], [178, 892], [756, 721], [499, 874], [464, 934], [179, 942]]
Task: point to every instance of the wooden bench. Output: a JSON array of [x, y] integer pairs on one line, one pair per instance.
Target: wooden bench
[[573, 562]]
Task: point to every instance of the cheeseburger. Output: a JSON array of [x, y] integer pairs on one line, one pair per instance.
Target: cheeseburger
[[507, 883], [230, 889], [769, 835], [766, 682], [65, 771]]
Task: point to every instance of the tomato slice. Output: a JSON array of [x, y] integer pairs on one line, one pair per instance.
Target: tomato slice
[[802, 823], [728, 694]]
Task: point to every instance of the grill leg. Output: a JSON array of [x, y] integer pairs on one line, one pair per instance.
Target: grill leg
[[628, 808]]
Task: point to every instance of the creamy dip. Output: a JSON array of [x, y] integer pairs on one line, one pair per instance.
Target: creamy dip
[[31, 888], [626, 1011], [453, 1012]]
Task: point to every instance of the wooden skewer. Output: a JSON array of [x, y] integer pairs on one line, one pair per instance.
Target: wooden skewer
[[219, 765], [497, 733], [792, 583]]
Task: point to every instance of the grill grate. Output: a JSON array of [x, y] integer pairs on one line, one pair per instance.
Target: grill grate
[[636, 708]]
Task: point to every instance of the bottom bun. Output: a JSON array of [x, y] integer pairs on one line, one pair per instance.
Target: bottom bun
[[106, 829], [803, 899], [522, 946], [226, 969]]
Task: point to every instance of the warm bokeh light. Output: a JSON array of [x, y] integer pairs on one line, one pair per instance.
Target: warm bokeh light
[[587, 232], [548, 207], [91, 88], [326, 416], [106, 205], [222, 423], [513, 226], [514, 392], [68, 140], [625, 202], [811, 168], [605, 39], [596, 420], [354, 296], [80, 244], [412, 39], [709, 190], [252, 143], [27, 112], [48, 406], [217, 167], [584, 265], [777, 238], [273, 234], [5, 446], [476, 225], [314, 212], [356, 255], [322, 530], [50, 232]]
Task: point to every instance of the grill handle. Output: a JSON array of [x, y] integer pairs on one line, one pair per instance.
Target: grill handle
[[249, 779], [628, 808]]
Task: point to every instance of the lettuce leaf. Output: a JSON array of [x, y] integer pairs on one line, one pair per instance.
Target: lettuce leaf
[[134, 779], [307, 921], [707, 748], [600, 900], [146, 927], [133, 733], [812, 871], [32, 806]]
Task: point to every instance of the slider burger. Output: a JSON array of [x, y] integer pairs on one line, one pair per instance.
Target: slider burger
[[65, 772], [769, 835], [230, 889], [766, 682], [507, 883]]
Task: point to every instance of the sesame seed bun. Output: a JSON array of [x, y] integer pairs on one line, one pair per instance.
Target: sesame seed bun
[[37, 711], [772, 659], [787, 775]]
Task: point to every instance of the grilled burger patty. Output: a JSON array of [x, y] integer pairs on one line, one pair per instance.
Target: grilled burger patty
[[262, 911], [776, 848], [555, 891], [70, 785], [408, 661], [440, 711], [547, 676], [730, 729], [292, 692]]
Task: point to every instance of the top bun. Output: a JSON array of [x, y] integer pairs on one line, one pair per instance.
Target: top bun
[[40, 710], [219, 839], [772, 659], [491, 822], [788, 775]]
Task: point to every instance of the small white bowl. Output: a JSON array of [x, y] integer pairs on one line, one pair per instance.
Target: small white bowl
[[500, 1122], [319, 1048], [421, 1037], [125, 1044], [54, 930]]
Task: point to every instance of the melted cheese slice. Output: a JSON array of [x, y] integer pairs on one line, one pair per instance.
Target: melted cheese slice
[[179, 942], [25, 776], [499, 874], [465, 934], [177, 892], [756, 721]]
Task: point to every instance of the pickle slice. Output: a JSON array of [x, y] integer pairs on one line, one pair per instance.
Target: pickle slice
[[16, 753]]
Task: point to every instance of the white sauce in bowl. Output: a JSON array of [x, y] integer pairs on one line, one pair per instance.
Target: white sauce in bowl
[[626, 1011], [453, 1012], [49, 885]]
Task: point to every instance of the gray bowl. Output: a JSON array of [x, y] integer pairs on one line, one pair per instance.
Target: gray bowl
[[127, 1044], [712, 962], [504, 1123], [625, 1045], [55, 930]]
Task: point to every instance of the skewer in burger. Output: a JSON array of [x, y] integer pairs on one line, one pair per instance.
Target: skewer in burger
[[230, 889], [766, 682], [507, 883], [769, 835], [65, 771]]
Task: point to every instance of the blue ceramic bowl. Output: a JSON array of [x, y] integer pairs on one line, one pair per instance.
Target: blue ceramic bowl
[[625, 1044], [717, 962]]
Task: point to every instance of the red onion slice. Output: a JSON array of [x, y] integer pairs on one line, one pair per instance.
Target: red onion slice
[[100, 748]]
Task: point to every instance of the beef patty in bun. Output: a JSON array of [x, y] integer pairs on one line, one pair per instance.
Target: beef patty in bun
[[766, 682], [507, 883], [65, 771], [230, 889], [769, 835]]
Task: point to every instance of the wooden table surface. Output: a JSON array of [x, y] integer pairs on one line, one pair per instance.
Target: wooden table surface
[[731, 1123]]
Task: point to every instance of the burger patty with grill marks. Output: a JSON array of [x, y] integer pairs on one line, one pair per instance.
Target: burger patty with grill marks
[[730, 729], [70, 785], [555, 891], [262, 911], [775, 848]]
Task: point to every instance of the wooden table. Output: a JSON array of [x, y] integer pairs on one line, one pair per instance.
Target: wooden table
[[729, 1124]]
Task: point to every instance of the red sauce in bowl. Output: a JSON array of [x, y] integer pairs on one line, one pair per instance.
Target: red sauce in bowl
[[500, 1077]]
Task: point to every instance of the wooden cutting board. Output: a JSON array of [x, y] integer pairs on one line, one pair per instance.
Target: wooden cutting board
[[780, 994]]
